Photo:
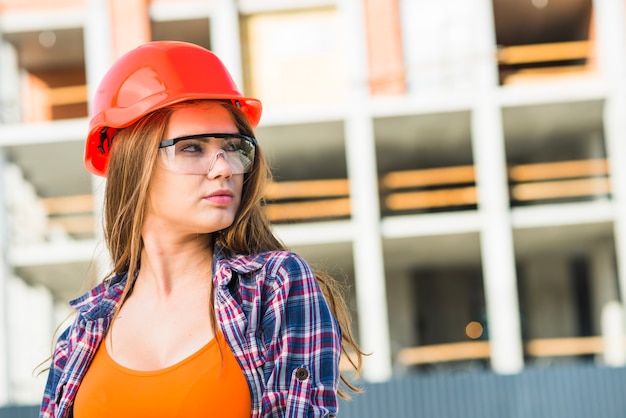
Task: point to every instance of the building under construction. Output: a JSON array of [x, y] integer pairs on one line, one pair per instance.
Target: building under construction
[[461, 165]]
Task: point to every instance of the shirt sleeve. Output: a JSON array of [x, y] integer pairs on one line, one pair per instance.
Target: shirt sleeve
[[57, 364], [303, 342]]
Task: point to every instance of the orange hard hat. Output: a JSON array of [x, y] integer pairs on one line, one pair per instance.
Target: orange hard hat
[[150, 77]]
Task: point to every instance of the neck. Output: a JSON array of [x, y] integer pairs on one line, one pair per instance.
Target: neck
[[171, 264]]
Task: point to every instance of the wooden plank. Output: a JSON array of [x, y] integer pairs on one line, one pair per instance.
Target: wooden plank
[[546, 52], [432, 198], [576, 346], [559, 170], [76, 224], [468, 350], [561, 189], [437, 353], [58, 96], [307, 189], [68, 204], [309, 210], [533, 75], [429, 177]]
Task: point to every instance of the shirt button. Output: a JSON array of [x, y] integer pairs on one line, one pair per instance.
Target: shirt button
[[302, 374]]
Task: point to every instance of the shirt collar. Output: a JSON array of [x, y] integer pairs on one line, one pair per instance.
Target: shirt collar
[[241, 264], [102, 300]]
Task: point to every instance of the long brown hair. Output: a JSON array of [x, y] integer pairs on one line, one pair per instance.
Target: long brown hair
[[131, 165]]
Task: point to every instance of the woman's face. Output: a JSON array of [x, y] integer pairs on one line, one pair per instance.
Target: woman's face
[[195, 203]]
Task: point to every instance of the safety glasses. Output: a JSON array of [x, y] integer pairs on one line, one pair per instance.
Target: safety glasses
[[197, 154]]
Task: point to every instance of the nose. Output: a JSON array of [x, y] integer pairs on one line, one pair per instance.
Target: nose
[[220, 166]]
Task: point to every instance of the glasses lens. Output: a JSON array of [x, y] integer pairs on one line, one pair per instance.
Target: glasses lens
[[199, 154]]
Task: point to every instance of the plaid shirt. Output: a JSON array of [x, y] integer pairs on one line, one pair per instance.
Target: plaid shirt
[[274, 318]]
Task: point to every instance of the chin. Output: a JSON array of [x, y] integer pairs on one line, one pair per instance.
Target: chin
[[211, 227]]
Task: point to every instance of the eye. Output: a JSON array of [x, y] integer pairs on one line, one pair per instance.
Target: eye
[[190, 147], [232, 144]]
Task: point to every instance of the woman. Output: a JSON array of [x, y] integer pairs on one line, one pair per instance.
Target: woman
[[205, 313]]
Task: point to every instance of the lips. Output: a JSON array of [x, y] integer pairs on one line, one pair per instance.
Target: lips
[[220, 197]]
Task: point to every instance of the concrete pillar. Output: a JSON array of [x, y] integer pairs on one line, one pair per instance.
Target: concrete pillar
[[9, 84], [362, 173], [613, 333], [606, 307], [225, 39], [6, 388], [498, 258], [130, 25], [603, 280], [611, 53], [98, 59], [384, 44]]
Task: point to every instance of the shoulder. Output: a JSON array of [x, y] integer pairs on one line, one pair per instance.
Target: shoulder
[[288, 283], [270, 263], [102, 299], [281, 267], [271, 272], [286, 265]]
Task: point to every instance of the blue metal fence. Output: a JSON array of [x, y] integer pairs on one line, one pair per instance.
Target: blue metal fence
[[19, 412], [563, 392]]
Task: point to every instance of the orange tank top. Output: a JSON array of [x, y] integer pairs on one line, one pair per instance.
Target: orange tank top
[[199, 386]]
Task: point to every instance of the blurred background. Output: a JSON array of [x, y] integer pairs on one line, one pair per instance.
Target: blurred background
[[458, 164]]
